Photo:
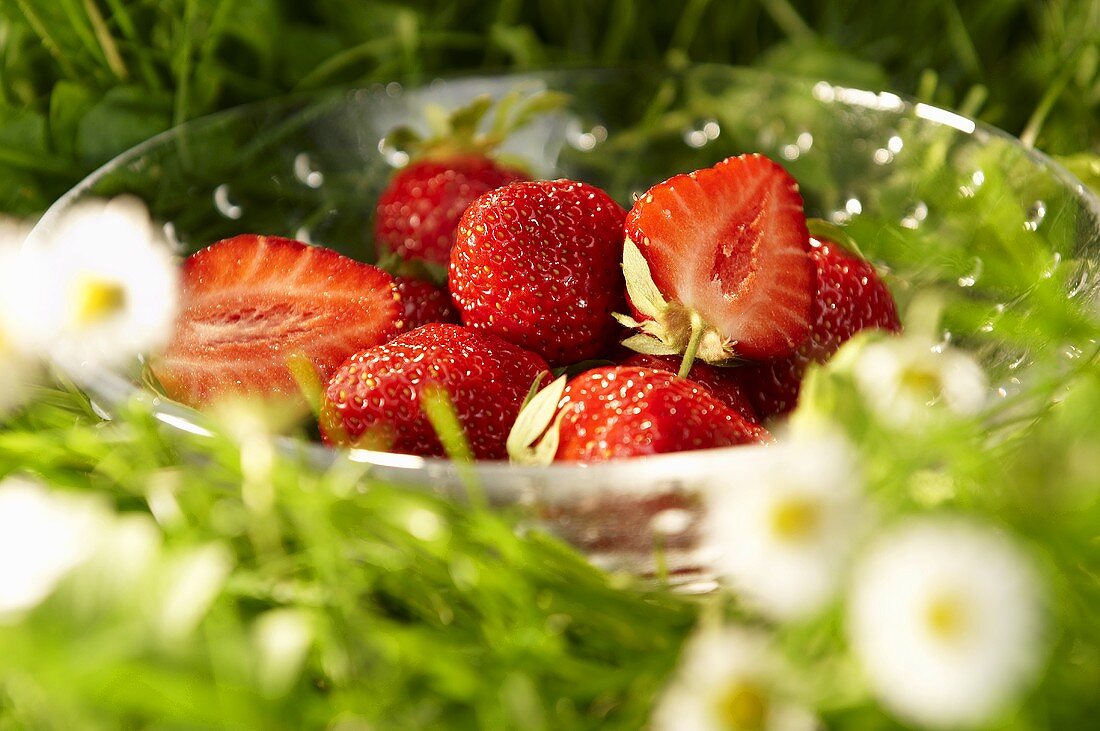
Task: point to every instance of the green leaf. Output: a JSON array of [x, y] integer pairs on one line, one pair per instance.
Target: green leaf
[[532, 440], [640, 286]]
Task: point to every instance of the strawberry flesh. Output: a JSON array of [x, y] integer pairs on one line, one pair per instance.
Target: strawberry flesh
[[849, 297], [730, 242], [376, 393], [625, 411], [250, 302]]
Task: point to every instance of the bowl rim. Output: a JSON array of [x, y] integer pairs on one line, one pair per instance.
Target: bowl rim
[[438, 472]]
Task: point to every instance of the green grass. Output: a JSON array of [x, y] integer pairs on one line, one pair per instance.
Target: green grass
[[322, 599]]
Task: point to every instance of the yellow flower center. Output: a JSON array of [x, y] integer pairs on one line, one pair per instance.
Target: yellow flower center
[[946, 617], [795, 519], [924, 381], [743, 707], [97, 299]]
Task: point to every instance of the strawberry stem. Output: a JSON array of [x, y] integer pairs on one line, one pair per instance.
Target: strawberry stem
[[693, 344]]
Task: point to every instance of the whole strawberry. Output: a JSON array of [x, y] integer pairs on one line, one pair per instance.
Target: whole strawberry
[[724, 384], [849, 297], [424, 302], [419, 209], [376, 394], [538, 265], [417, 213], [251, 302], [717, 264], [624, 411]]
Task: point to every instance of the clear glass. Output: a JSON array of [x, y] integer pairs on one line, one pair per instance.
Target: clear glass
[[311, 168]]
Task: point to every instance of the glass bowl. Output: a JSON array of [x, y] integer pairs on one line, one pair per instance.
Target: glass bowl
[[937, 198]]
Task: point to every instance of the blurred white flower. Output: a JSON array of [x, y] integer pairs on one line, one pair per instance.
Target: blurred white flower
[[17, 369], [17, 372], [192, 582], [729, 680], [95, 290], [786, 523], [283, 638], [945, 617], [903, 378], [44, 534]]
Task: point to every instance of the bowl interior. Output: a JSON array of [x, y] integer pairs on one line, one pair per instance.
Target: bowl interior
[[946, 204]]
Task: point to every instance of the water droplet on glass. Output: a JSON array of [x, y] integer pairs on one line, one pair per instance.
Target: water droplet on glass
[[705, 131], [393, 88], [172, 237], [305, 171], [978, 178], [916, 215], [882, 156], [853, 207], [304, 235], [894, 144], [824, 92], [670, 522], [805, 141], [943, 344], [582, 140], [1035, 216], [790, 152], [968, 280], [1079, 287], [393, 156], [225, 206]]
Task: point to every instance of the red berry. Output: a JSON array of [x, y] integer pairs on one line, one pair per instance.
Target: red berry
[[625, 411], [729, 244], [419, 209], [849, 297], [538, 264], [378, 391], [723, 383], [424, 302], [251, 301]]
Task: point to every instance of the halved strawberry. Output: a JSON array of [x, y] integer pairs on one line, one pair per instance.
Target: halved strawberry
[[717, 263], [250, 302], [849, 296]]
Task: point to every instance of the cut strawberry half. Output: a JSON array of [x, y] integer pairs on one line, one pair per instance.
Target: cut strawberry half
[[251, 302], [717, 264]]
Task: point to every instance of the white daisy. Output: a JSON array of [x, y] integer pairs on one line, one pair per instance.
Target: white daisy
[[95, 289], [44, 534], [785, 524], [729, 680], [945, 617], [904, 378]]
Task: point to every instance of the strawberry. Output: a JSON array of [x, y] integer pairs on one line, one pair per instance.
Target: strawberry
[[723, 383], [849, 297], [376, 394], [417, 213], [625, 411], [419, 209], [424, 302], [251, 301], [717, 264], [538, 265]]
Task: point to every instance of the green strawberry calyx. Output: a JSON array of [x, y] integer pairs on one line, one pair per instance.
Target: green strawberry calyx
[[535, 434], [670, 328], [469, 130]]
